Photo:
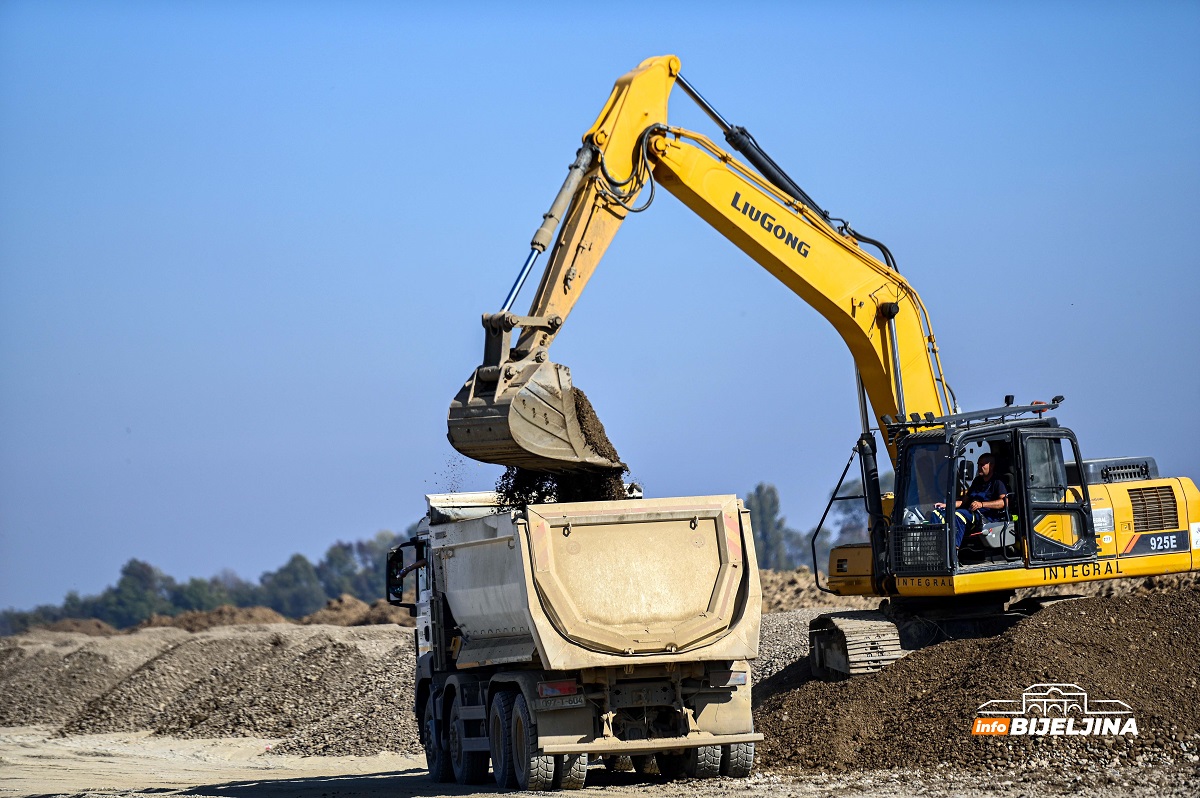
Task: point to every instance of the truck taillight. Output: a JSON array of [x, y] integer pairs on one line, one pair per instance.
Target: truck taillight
[[551, 689], [726, 678]]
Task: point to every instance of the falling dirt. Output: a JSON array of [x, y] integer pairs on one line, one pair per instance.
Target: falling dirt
[[518, 487]]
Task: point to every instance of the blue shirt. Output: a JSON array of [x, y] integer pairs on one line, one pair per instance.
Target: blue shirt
[[986, 491]]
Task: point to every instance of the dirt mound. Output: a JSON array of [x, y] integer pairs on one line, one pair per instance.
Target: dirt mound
[[225, 615], [517, 487], [1137, 649], [792, 590], [86, 626], [382, 612], [346, 610], [46, 677], [321, 689]]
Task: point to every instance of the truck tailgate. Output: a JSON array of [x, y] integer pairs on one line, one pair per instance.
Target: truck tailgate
[[643, 576]]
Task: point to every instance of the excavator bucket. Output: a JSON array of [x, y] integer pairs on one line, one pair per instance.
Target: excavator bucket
[[528, 414]]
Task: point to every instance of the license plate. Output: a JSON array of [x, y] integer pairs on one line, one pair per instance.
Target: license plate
[[559, 702]]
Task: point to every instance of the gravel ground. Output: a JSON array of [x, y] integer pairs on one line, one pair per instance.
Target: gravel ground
[[35, 763], [336, 692]]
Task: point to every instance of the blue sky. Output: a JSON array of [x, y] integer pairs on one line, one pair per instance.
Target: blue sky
[[244, 248]]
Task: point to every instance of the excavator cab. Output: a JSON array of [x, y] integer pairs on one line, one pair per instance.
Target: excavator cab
[[1045, 520]]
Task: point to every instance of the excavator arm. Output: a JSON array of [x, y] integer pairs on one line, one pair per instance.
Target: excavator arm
[[519, 408]]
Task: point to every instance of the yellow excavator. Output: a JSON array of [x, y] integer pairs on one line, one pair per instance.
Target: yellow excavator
[[1060, 520]]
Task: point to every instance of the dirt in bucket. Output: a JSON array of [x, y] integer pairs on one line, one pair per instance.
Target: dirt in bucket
[[521, 486]]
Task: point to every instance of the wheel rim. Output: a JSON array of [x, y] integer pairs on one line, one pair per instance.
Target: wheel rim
[[430, 742]]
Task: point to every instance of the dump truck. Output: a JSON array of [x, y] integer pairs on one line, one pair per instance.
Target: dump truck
[[551, 637]]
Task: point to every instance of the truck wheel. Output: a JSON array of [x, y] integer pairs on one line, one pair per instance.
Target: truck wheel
[[533, 771], [645, 765], [437, 761], [618, 764], [500, 740], [737, 760], [570, 771], [671, 764], [470, 767], [703, 762]]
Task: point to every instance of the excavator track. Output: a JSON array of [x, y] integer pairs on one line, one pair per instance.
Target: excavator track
[[850, 643]]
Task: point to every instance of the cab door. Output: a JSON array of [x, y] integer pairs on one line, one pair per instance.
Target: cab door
[[1056, 517]]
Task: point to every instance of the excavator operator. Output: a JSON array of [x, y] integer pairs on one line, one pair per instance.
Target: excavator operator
[[983, 502]]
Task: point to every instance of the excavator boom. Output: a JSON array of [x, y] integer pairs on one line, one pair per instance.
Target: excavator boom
[[519, 408]]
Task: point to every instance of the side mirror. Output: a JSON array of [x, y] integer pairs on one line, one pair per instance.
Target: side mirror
[[396, 570], [966, 472]]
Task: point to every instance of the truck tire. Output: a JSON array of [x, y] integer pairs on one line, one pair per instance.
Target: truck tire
[[618, 764], [470, 767], [533, 771], [644, 765], [737, 760], [703, 762], [671, 764], [500, 740], [570, 771], [437, 760]]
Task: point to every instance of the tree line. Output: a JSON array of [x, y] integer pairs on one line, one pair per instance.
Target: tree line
[[299, 587], [781, 548]]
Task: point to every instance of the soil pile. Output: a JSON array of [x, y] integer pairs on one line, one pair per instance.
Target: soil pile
[[792, 590], [1136, 649], [382, 612], [321, 689], [517, 487], [47, 677], [346, 610], [87, 626], [225, 615]]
